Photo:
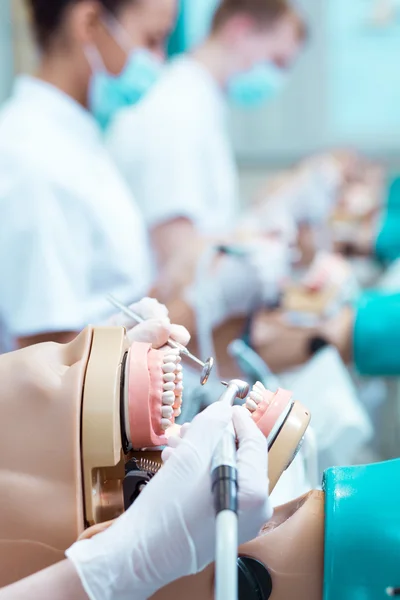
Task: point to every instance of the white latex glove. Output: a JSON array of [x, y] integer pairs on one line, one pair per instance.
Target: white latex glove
[[169, 532], [238, 285], [156, 330], [307, 196], [271, 260]]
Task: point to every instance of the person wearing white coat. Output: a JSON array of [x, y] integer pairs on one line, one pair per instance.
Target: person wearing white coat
[[174, 150], [70, 232]]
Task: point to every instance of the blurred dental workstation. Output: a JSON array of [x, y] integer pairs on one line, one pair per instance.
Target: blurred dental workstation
[[239, 162]]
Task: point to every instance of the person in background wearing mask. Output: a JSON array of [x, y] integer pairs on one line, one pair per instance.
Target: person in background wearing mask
[[69, 229], [149, 27], [174, 149]]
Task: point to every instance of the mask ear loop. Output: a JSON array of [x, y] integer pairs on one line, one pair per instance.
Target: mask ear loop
[[118, 32], [94, 58]]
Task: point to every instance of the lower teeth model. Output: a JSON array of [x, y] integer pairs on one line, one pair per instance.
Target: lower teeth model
[[266, 407]]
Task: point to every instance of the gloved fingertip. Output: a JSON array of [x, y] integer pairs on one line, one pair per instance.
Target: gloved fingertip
[[241, 417], [241, 412], [166, 454], [245, 427], [211, 421], [174, 440], [180, 334], [184, 429]]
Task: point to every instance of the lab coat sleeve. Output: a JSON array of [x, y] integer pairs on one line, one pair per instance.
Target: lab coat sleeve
[[377, 334], [164, 167], [43, 270]]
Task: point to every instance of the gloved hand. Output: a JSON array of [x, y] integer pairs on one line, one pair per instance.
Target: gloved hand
[[156, 330], [169, 532], [307, 195], [236, 285], [271, 261]]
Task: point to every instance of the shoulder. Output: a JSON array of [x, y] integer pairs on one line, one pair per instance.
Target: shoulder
[[177, 98]]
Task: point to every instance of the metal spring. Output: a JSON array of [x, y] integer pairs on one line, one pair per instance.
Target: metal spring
[[150, 466]]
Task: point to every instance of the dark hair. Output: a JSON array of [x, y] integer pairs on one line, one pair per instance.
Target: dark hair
[[263, 11], [47, 15]]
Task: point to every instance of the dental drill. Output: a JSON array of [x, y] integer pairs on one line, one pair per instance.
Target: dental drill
[[224, 476], [207, 366]]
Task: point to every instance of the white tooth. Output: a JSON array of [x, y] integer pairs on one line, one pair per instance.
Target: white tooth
[[169, 387], [259, 387], [167, 412], [179, 368], [179, 377], [168, 377], [177, 412], [179, 387], [168, 398], [169, 367], [170, 350], [170, 358], [165, 424], [256, 397], [251, 405]]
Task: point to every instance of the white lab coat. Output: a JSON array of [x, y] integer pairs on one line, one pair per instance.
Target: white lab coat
[[174, 151], [69, 229]]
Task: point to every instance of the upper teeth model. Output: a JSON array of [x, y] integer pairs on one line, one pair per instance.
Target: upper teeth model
[[255, 397], [172, 387], [152, 394]]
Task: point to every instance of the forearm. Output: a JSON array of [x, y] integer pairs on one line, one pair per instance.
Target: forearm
[[60, 582]]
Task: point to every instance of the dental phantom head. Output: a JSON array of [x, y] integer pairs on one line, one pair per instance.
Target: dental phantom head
[[95, 413], [131, 397], [284, 423]]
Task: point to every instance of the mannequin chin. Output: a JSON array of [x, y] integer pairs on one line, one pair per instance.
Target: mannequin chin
[[291, 547]]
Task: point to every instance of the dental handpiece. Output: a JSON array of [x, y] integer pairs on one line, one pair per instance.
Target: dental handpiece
[[207, 366], [224, 476]]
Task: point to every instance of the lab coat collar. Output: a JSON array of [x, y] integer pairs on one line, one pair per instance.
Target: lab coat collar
[[68, 113]]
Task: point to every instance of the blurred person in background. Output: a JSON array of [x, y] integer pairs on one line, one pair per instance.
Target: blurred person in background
[[69, 229], [367, 334], [174, 149]]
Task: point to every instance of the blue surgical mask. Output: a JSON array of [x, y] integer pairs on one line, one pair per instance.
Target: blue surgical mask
[[109, 94], [259, 85]]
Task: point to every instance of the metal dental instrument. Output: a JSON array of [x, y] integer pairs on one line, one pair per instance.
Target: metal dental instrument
[[207, 366], [224, 477]]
